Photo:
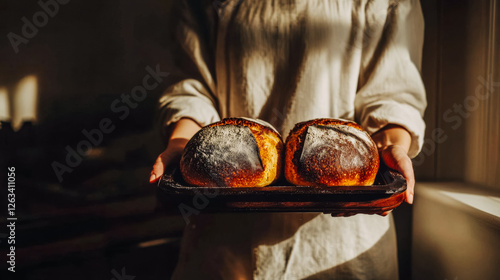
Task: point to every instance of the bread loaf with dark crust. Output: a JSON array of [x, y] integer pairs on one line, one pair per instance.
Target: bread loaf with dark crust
[[330, 152], [234, 152]]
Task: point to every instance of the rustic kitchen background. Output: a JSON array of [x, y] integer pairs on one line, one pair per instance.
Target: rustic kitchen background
[[94, 216]]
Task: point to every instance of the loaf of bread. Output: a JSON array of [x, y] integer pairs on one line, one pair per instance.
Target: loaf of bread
[[235, 152], [330, 152]]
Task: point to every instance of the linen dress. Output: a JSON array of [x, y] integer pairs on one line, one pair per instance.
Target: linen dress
[[287, 61]]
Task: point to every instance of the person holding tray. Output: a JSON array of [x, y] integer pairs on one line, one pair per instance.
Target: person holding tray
[[287, 62]]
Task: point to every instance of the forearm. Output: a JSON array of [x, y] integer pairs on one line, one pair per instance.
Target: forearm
[[185, 128], [181, 132]]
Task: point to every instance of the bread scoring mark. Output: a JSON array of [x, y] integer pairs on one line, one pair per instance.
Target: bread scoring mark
[[324, 141], [325, 173], [224, 152], [334, 151]]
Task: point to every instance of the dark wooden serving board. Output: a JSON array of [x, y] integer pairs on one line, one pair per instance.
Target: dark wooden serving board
[[387, 193]]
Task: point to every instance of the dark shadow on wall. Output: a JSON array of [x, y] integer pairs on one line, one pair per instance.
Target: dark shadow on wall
[[85, 56]]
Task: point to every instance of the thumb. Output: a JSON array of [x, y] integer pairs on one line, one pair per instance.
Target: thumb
[[159, 167]]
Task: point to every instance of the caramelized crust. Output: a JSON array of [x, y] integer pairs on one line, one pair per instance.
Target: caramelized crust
[[201, 171], [330, 152]]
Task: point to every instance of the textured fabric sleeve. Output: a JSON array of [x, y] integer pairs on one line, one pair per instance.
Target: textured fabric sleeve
[[390, 89], [193, 95]]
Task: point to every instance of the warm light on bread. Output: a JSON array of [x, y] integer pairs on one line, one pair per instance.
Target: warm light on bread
[[235, 152], [330, 152]]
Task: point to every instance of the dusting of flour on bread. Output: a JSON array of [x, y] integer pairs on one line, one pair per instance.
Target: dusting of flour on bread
[[340, 146], [224, 152]]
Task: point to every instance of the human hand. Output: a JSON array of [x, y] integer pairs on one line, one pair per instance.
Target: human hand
[[396, 157], [393, 143], [183, 130], [172, 153]]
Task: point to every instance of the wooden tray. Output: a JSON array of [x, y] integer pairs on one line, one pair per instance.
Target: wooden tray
[[387, 193]]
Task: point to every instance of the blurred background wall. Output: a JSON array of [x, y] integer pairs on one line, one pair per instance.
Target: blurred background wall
[[79, 58], [456, 217]]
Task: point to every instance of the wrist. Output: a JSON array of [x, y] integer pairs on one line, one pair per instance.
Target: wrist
[[392, 136], [182, 131]]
